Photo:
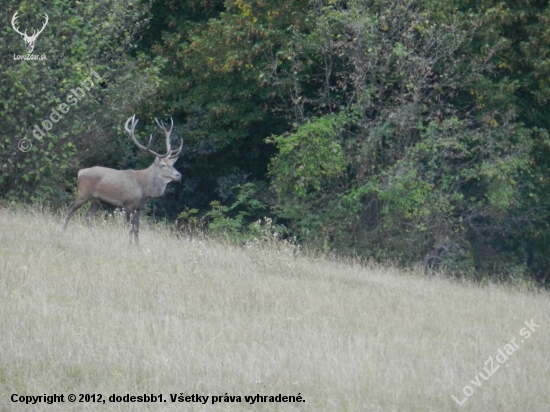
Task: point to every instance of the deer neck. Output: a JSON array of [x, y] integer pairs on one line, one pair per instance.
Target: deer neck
[[154, 183]]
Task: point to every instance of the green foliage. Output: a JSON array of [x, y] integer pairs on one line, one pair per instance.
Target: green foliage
[[309, 157], [403, 130], [188, 215], [411, 131], [79, 38], [235, 221], [435, 160], [218, 83]]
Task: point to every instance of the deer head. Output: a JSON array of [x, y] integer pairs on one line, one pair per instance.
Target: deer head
[[29, 40], [164, 162]]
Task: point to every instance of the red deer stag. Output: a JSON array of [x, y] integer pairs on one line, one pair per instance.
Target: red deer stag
[[129, 189]]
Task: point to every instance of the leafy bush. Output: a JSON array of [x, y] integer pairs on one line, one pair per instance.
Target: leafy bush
[[87, 70]]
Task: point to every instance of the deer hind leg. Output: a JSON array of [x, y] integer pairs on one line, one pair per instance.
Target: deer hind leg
[[92, 211], [73, 208]]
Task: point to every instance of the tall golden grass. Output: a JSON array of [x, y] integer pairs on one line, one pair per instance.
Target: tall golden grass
[[83, 312]]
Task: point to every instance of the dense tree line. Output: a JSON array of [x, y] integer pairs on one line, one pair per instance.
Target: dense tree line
[[396, 130]]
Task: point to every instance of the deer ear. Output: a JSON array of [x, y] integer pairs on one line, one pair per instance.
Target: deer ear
[[172, 160], [157, 160]]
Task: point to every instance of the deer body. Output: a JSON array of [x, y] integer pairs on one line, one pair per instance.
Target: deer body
[[121, 188], [128, 189]]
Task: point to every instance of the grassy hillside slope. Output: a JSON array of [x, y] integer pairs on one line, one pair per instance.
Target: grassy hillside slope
[[81, 312]]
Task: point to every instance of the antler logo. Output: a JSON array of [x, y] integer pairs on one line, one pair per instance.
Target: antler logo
[[29, 40]]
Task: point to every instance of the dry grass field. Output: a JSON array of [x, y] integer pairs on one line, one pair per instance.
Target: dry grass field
[[81, 312]]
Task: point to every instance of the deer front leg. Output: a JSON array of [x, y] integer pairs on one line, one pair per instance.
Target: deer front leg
[[135, 224], [132, 216]]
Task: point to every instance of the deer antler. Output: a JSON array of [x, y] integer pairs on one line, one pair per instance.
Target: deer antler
[[170, 153], [132, 135]]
